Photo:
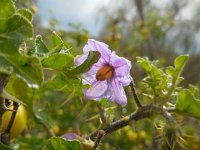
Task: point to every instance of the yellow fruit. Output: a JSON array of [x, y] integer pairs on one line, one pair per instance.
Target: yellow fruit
[[132, 136], [19, 123], [56, 129], [142, 134]]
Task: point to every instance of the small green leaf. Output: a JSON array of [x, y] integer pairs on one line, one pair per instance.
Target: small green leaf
[[7, 8], [58, 61], [103, 102], [19, 89], [40, 48], [144, 63], [180, 62], [92, 58], [188, 104], [170, 71], [194, 90], [25, 13], [57, 143], [57, 41]]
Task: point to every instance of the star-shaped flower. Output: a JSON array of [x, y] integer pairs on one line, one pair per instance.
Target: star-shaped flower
[[106, 77]]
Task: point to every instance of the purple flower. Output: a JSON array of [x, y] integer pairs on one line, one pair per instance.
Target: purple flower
[[106, 77]]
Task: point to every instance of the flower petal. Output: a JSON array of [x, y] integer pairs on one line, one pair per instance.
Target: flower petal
[[126, 80], [70, 136], [122, 66], [97, 90], [94, 45], [116, 92]]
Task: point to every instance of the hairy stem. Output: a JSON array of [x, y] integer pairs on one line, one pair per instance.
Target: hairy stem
[[135, 116], [6, 134], [102, 115], [132, 85], [3, 81], [98, 139], [1, 114]]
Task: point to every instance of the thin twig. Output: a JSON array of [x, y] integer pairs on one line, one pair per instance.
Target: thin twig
[[3, 81], [6, 134], [1, 114], [170, 109], [100, 134], [132, 85], [102, 115], [135, 116]]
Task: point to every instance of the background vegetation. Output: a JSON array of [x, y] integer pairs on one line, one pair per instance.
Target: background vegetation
[[150, 32]]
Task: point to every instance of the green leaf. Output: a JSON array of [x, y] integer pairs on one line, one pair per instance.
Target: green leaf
[[7, 8], [144, 63], [170, 71], [180, 62], [19, 89], [179, 65], [9, 96], [62, 82], [15, 29], [40, 48], [156, 78], [25, 67], [188, 104], [57, 41], [57, 143], [25, 13], [58, 61], [194, 90], [92, 58]]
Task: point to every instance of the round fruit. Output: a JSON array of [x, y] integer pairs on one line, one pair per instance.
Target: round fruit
[[19, 123]]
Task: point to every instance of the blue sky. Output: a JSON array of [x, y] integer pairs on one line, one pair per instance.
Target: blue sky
[[75, 11], [89, 12]]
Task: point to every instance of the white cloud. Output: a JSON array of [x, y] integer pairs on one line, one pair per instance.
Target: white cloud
[[76, 11]]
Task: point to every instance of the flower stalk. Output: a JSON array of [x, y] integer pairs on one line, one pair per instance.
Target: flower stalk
[[6, 135], [135, 116], [133, 89], [3, 81]]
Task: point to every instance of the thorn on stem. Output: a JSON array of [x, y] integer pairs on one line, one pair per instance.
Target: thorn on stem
[[100, 134]]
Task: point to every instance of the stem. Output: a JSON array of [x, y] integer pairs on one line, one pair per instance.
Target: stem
[[1, 114], [6, 134], [102, 115], [3, 81], [132, 85], [101, 133], [169, 93], [135, 116]]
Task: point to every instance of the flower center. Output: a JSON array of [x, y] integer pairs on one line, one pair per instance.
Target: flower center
[[104, 73]]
